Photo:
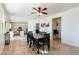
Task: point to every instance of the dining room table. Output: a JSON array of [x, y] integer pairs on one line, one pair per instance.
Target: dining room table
[[37, 36]]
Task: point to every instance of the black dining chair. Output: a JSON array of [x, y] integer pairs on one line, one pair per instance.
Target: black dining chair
[[29, 34], [27, 38], [30, 40], [34, 43], [45, 41], [41, 42]]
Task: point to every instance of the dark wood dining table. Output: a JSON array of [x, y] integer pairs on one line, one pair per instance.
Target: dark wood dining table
[[37, 36]]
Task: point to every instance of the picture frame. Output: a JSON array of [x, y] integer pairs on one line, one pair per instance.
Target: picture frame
[[45, 24]]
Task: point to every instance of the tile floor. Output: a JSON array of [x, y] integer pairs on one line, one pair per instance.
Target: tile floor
[[20, 47]]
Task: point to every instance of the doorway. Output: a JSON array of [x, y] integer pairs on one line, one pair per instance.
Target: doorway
[[19, 26], [56, 24]]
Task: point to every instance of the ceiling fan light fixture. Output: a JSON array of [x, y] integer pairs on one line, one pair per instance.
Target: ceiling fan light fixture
[[39, 14]]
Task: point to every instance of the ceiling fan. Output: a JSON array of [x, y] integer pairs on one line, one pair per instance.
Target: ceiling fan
[[40, 11]]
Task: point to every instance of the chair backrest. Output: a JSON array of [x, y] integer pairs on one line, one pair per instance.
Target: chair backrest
[[33, 40], [47, 37], [30, 33]]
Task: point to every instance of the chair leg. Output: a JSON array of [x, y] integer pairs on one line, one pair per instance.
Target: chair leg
[[27, 41], [33, 47], [48, 47], [37, 50], [30, 44], [43, 48]]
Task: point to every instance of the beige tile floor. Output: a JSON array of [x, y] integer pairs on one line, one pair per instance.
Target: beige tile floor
[[19, 47]]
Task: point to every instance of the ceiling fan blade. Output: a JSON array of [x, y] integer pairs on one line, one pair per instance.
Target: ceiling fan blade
[[44, 9], [44, 13], [39, 8], [36, 9]]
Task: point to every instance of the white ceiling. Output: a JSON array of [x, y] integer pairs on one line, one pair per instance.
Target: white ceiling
[[25, 9]]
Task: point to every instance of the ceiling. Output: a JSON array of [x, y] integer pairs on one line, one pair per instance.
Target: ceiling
[[25, 9]]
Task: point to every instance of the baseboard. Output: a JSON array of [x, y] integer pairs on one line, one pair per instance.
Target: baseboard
[[72, 44]]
